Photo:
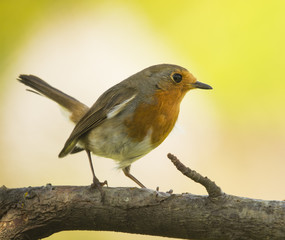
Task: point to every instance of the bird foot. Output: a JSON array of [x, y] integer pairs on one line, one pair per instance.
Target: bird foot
[[97, 184]]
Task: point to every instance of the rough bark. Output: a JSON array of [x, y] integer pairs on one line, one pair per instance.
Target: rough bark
[[37, 212]]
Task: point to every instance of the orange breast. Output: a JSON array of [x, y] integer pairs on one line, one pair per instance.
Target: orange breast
[[157, 117]]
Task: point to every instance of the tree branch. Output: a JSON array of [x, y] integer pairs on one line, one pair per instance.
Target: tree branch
[[211, 187], [37, 212]]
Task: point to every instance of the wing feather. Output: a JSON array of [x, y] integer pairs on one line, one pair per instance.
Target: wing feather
[[109, 104]]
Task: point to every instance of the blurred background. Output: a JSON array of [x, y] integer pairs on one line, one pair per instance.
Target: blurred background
[[233, 134]]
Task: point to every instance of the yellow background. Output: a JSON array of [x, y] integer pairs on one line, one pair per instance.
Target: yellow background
[[233, 134]]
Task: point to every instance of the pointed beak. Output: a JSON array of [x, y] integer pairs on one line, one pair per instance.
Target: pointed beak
[[201, 85]]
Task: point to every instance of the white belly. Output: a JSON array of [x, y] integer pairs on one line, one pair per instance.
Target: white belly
[[110, 140]]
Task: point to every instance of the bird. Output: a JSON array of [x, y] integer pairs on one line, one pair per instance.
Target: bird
[[128, 120]]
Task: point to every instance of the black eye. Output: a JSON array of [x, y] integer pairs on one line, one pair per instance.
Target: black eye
[[177, 77]]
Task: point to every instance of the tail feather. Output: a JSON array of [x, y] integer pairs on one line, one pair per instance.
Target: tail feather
[[76, 108]]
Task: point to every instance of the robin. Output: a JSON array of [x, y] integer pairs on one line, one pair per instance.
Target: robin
[[128, 120]]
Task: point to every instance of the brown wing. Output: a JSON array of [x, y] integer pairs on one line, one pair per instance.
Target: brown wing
[[108, 103]]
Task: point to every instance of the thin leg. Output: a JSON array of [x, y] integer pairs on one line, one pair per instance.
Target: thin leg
[[96, 182], [126, 171]]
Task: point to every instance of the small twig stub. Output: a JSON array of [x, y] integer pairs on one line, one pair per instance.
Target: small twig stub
[[211, 187]]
